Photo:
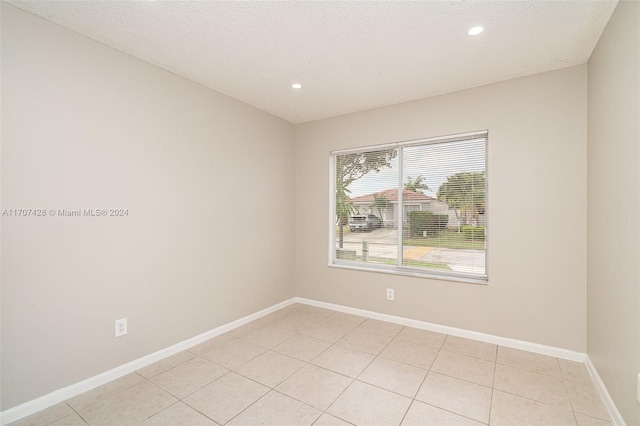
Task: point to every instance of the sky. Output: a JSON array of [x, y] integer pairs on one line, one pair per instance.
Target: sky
[[434, 162]]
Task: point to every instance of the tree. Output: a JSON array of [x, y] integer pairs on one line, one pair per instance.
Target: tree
[[415, 184], [380, 203], [465, 193], [344, 208], [349, 168]]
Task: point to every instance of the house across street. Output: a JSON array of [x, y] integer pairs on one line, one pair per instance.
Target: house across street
[[411, 201]]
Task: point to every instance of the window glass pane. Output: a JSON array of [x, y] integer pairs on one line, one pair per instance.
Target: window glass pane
[[366, 207], [432, 192], [447, 232]]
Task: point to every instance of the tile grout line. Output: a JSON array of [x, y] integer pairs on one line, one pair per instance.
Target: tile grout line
[[564, 377], [564, 385], [271, 389], [440, 349], [413, 400], [493, 385], [379, 356], [353, 379]]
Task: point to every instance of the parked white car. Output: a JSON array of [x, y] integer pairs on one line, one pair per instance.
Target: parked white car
[[364, 222]]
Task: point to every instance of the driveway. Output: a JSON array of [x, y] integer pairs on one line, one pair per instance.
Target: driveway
[[377, 236], [383, 243], [469, 261]]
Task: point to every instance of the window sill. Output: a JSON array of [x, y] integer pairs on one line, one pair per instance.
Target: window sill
[[358, 266]]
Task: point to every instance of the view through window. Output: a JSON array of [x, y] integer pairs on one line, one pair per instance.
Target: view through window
[[416, 207]]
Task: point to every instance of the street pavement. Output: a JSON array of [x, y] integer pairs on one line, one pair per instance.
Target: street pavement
[[383, 243]]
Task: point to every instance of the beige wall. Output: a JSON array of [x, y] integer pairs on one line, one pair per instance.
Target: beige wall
[[613, 274], [537, 202], [86, 126]]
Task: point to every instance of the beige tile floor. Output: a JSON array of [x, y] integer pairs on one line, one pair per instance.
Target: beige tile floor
[[304, 365]]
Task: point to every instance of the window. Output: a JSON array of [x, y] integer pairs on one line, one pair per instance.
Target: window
[[426, 203], [410, 208]]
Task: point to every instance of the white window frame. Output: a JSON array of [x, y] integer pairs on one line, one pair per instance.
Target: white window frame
[[401, 269]]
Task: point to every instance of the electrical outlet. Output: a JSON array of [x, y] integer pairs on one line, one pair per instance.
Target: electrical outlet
[[121, 327], [390, 294], [638, 389]]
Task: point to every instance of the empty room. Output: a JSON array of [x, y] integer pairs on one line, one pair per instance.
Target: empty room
[[320, 213]]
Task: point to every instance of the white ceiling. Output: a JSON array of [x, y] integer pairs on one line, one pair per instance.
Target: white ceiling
[[348, 55]]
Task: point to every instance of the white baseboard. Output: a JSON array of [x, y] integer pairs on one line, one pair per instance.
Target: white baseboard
[[60, 395], [604, 394], [459, 332]]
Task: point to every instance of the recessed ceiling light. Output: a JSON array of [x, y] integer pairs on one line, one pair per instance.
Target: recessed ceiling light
[[475, 31], [296, 86]]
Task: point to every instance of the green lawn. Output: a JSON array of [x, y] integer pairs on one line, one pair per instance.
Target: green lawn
[[446, 239]]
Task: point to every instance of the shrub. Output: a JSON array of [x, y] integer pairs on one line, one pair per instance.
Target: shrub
[[473, 232], [345, 254], [421, 221]]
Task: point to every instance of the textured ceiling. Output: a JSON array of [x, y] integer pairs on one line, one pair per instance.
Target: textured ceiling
[[349, 56]]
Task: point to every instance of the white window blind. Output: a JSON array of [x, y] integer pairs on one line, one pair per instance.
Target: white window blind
[[415, 207]]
